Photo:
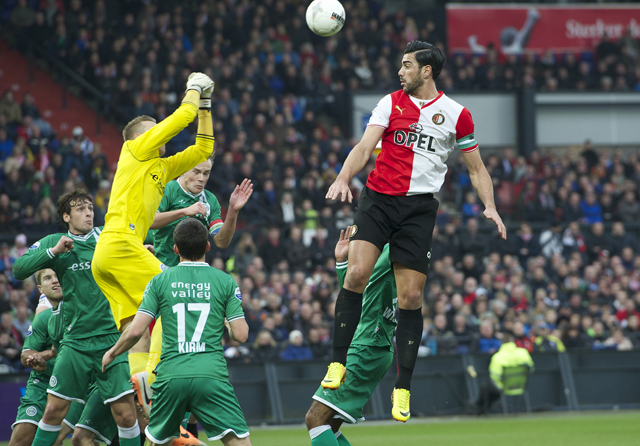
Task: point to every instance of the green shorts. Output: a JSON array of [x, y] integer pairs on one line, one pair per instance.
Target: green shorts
[[97, 418], [32, 404], [366, 366], [73, 414], [78, 364], [212, 402]]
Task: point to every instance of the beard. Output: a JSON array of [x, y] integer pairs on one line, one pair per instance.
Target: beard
[[411, 87]]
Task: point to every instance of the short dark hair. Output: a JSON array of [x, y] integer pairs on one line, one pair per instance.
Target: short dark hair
[[427, 54], [191, 236], [69, 200], [507, 337]]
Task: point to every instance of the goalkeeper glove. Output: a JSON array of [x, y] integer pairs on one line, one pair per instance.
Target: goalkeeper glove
[[203, 85]]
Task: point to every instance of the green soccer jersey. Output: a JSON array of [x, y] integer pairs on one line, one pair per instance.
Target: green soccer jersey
[[56, 326], [192, 299], [379, 302], [176, 197], [38, 340], [87, 312]]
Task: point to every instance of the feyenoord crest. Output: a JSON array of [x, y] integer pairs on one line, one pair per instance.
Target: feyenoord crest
[[438, 119]]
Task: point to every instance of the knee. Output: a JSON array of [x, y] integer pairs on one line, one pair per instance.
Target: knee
[[356, 279], [410, 299], [311, 420], [125, 419], [54, 414], [76, 440]]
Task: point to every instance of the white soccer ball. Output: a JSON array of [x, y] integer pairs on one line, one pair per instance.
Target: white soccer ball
[[325, 17]]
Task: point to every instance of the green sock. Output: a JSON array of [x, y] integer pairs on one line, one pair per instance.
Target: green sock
[[185, 420], [46, 435], [323, 436], [129, 436], [342, 440]]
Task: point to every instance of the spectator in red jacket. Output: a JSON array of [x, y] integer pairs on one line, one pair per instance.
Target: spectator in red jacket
[[522, 340]]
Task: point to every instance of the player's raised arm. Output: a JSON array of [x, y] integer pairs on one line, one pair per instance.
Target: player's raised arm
[[146, 145], [203, 148], [238, 199], [354, 163]]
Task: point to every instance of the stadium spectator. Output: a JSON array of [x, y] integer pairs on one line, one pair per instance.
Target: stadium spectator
[[295, 350]]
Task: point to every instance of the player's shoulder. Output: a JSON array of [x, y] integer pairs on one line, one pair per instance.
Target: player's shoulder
[[172, 186], [450, 105], [48, 241], [42, 318]]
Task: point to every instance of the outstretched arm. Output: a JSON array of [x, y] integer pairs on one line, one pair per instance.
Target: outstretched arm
[[239, 198], [481, 181], [146, 146], [354, 163], [129, 338], [203, 148]]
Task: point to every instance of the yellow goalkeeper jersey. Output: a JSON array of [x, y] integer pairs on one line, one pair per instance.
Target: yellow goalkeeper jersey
[[142, 175]]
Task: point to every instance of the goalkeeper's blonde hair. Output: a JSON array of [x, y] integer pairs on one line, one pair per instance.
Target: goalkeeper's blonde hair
[[132, 128]]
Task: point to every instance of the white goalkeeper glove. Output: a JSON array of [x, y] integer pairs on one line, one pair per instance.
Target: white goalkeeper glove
[[203, 84]]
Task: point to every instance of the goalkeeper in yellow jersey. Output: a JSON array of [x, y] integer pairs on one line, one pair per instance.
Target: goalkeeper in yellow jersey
[[121, 266]]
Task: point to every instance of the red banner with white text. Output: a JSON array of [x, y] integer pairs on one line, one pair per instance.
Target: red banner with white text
[[515, 29]]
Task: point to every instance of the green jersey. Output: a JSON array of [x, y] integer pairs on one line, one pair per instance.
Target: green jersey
[[379, 302], [87, 312], [192, 299], [38, 340], [176, 197], [56, 326]]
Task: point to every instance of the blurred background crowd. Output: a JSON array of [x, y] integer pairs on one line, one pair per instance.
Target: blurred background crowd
[[280, 116]]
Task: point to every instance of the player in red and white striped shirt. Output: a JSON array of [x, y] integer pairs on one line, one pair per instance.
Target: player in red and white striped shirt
[[419, 127]]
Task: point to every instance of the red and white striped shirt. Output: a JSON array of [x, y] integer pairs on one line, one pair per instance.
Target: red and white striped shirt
[[418, 139]]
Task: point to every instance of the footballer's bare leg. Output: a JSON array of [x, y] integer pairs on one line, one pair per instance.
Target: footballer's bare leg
[[231, 440], [23, 434], [83, 437], [318, 415], [64, 433], [410, 284], [363, 256]]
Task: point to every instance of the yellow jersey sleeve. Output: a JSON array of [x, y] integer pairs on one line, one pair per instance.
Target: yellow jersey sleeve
[[190, 157], [146, 146]]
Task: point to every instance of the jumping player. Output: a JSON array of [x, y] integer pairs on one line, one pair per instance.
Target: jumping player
[[419, 127], [122, 266]]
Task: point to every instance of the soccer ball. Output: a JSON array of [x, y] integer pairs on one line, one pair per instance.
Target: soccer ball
[[325, 17]]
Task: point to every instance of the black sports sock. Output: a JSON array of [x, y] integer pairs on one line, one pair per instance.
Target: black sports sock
[[193, 429], [408, 336], [347, 316]]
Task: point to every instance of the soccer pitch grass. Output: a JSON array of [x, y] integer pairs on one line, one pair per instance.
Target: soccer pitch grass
[[549, 429]]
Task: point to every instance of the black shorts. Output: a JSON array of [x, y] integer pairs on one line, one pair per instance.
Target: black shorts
[[406, 223]]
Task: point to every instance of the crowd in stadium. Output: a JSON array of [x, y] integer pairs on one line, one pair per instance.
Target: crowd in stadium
[[567, 286]]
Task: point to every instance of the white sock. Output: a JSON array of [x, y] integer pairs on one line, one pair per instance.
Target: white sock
[[48, 427], [129, 432], [316, 431]]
